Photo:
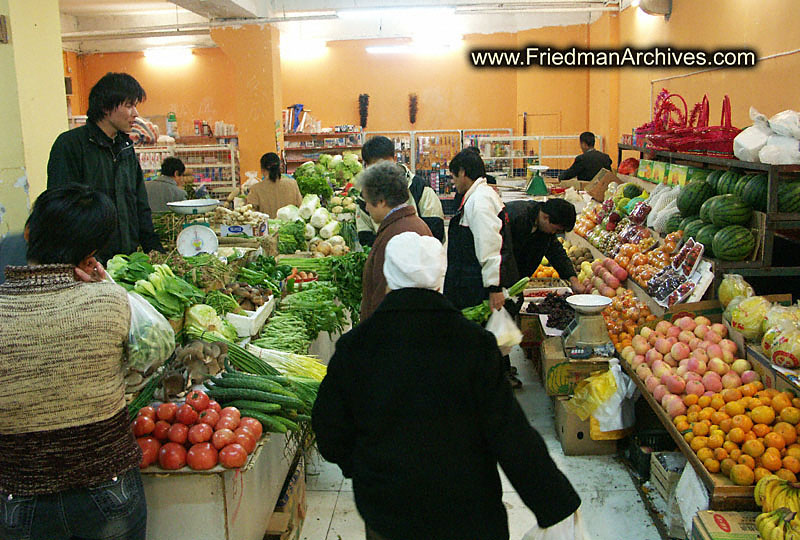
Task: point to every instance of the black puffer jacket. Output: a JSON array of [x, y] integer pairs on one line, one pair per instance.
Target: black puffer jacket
[[86, 155]]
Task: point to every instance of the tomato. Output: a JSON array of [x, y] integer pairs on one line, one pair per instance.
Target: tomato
[[147, 411], [198, 400], [167, 412], [232, 411], [214, 405], [253, 425], [161, 430], [178, 433], [150, 448], [200, 433], [186, 414], [143, 425], [227, 422], [208, 416], [202, 456], [222, 438], [172, 456], [246, 440], [233, 456]]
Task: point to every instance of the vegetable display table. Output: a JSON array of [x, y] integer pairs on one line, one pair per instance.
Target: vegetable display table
[[223, 504]]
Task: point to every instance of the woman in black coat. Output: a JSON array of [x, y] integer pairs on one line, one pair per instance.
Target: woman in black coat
[[416, 409]]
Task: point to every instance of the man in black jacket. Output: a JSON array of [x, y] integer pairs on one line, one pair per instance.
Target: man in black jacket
[[100, 155], [587, 164], [416, 409]]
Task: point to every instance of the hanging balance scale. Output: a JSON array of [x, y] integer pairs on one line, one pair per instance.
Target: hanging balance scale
[[587, 335]]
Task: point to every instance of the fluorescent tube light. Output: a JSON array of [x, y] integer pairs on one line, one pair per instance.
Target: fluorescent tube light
[[302, 49], [169, 56], [395, 12]]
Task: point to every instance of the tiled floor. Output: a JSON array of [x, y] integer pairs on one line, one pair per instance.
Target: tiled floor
[[612, 508]]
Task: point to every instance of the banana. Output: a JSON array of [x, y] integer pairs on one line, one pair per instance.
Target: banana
[[768, 497], [792, 498]]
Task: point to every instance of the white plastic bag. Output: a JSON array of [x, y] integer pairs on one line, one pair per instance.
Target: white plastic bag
[[504, 329], [749, 142], [617, 411], [252, 179], [786, 123], [151, 339], [780, 150], [568, 529]]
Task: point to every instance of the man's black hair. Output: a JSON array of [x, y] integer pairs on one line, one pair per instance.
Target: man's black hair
[[172, 165], [68, 224], [470, 162], [271, 163], [112, 90], [377, 148], [385, 181], [587, 137], [561, 212]]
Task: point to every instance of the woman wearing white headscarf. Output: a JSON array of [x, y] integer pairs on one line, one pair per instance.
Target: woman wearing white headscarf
[[416, 409]]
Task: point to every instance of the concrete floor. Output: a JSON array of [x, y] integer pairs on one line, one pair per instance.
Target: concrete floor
[[612, 508]]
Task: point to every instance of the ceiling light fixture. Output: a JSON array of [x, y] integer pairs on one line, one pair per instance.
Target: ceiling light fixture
[[302, 49], [419, 47], [657, 7], [395, 12], [169, 56]]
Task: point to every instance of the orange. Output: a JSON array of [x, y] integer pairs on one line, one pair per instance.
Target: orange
[[791, 463], [700, 428], [731, 394], [688, 437], [755, 402], [771, 461], [711, 465], [742, 421], [749, 436], [748, 390], [707, 453], [682, 426], [691, 416], [734, 407], [694, 409], [718, 417], [698, 442], [790, 415], [717, 402], [758, 384], [704, 401], [744, 459], [781, 401], [716, 439], [706, 413], [726, 425], [761, 429], [690, 399], [736, 435], [726, 465], [785, 430], [774, 440], [793, 450], [679, 418], [796, 402], [730, 446], [720, 454], [763, 415], [760, 473], [742, 475], [785, 474], [735, 454], [753, 448]]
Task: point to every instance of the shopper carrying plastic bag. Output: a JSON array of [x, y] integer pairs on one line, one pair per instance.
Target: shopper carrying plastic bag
[[569, 529], [504, 329]]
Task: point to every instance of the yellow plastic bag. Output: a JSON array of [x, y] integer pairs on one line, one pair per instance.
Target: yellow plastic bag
[[591, 393]]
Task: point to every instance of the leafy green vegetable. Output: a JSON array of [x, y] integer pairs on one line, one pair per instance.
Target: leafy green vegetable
[[126, 270], [317, 307], [284, 332], [291, 237], [310, 179]]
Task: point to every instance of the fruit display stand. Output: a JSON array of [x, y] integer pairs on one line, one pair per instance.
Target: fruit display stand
[[769, 224], [225, 504], [723, 493]]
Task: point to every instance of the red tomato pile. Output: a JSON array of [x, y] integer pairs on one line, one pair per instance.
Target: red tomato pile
[[198, 433]]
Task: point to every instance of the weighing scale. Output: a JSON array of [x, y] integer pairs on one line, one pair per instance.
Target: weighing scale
[[587, 334], [196, 239], [536, 186]]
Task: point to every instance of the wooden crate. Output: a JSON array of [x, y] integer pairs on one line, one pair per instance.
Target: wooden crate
[[663, 479]]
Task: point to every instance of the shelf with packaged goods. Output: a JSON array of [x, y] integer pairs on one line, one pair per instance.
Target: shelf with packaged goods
[[723, 493], [629, 283]]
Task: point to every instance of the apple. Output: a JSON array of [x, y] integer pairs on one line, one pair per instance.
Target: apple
[[643, 371], [701, 330], [720, 329], [698, 366], [712, 381], [672, 340], [679, 351], [681, 371], [694, 343], [718, 365], [685, 336], [659, 392], [686, 323], [673, 331], [638, 360], [713, 337], [728, 356], [675, 384], [695, 387], [628, 353], [740, 366], [728, 345], [652, 339], [651, 383], [731, 380], [675, 407], [669, 360], [663, 327], [692, 376], [660, 369], [646, 331], [700, 354], [651, 356], [662, 345], [714, 351], [641, 346], [702, 320], [750, 376], [666, 398]]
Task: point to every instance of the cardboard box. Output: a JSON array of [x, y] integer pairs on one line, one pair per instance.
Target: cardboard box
[[561, 374], [531, 328], [665, 471], [573, 433], [290, 511], [598, 185], [249, 230], [713, 525], [781, 379], [710, 309]]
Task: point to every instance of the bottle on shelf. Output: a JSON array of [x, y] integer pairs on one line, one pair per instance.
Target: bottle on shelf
[[172, 124]]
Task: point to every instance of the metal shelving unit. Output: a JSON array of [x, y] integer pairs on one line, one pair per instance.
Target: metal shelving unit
[[215, 166], [302, 147], [514, 154], [403, 145]]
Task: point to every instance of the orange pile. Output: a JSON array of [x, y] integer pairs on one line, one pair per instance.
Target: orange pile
[[544, 272], [745, 433], [624, 317]]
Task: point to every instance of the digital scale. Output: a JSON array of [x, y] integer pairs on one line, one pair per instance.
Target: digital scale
[[587, 335]]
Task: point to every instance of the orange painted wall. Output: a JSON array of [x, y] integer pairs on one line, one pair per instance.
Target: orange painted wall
[[451, 93], [73, 68], [203, 89]]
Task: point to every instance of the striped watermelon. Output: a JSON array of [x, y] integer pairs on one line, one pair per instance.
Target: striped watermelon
[[755, 192], [730, 210], [705, 209], [741, 183], [726, 183], [685, 222], [706, 237], [733, 243], [789, 197], [713, 177], [673, 223], [693, 228], [692, 196]]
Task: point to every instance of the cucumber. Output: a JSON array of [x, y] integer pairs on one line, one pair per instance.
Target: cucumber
[[303, 418], [269, 423], [253, 382], [250, 405], [231, 394], [286, 422]]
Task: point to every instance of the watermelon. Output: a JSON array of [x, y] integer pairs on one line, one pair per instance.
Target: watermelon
[[673, 223], [705, 209], [698, 174], [693, 228], [631, 190], [685, 222], [733, 243], [692, 196], [789, 197], [713, 178], [730, 210], [726, 182], [755, 192], [741, 183], [706, 237]]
